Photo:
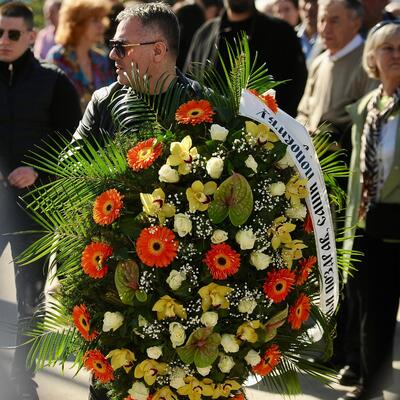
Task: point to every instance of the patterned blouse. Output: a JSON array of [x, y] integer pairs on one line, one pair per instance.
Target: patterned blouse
[[66, 59]]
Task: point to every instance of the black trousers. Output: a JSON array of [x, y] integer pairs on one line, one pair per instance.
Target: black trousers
[[29, 280], [376, 288]]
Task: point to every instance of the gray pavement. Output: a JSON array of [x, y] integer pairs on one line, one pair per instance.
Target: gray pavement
[[57, 384]]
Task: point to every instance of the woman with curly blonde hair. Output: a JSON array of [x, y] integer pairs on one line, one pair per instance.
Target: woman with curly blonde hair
[[81, 27]]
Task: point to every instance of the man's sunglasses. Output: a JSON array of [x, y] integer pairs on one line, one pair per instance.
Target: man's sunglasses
[[120, 47], [13, 34]]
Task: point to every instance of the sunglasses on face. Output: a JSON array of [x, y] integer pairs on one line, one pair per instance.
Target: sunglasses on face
[[13, 34], [120, 47]]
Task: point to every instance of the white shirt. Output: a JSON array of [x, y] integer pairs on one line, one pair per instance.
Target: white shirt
[[353, 44]]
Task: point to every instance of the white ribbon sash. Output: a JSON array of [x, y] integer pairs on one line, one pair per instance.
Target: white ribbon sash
[[301, 149]]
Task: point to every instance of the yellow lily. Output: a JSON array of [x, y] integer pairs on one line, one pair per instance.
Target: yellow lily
[[224, 389], [296, 190], [182, 155], [149, 370], [165, 393], [280, 232], [247, 331], [261, 135], [167, 307], [292, 251], [199, 195], [154, 205], [193, 388], [214, 295], [121, 358]]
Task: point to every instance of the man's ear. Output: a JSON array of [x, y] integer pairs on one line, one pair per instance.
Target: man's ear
[[160, 50], [32, 36]]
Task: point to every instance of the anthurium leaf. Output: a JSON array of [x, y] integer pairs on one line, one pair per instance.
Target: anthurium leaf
[[207, 353], [234, 198], [126, 280], [141, 296], [186, 354]]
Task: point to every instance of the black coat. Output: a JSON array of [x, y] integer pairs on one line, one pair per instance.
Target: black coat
[[276, 45], [36, 100]]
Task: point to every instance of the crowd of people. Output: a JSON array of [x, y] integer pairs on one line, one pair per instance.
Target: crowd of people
[[340, 63]]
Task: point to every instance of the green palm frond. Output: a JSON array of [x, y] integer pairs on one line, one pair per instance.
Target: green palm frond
[[53, 339]]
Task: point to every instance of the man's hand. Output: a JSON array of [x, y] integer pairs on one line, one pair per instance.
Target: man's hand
[[22, 177]]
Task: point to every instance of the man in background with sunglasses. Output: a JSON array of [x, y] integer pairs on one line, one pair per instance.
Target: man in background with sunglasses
[[33, 99]]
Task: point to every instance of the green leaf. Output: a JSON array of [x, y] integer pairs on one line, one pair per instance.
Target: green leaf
[[126, 280], [234, 198], [186, 354], [141, 296]]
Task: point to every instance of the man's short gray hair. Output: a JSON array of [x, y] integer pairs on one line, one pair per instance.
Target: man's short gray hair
[[158, 16], [354, 5]]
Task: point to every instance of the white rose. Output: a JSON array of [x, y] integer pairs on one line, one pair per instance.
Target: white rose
[[112, 321], [204, 371], [218, 132], [209, 319], [251, 163], [298, 212], [277, 189], [177, 334], [260, 260], [219, 236], [285, 161], [168, 174], [182, 224], [177, 378], [175, 279], [252, 358], [246, 239], [139, 391], [214, 167], [154, 352], [229, 343], [226, 363], [247, 306]]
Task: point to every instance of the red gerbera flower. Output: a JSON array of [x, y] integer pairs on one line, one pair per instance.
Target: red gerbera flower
[[144, 154], [96, 363], [299, 311], [93, 259], [156, 246], [81, 318], [278, 284], [308, 225], [271, 358], [194, 112], [222, 261], [306, 265], [107, 207]]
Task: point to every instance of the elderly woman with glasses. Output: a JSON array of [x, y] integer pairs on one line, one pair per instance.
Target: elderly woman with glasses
[[81, 27], [374, 208]]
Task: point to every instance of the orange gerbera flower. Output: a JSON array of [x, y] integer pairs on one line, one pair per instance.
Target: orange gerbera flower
[[299, 311], [269, 100], [96, 363], [144, 154], [238, 396], [278, 284], [306, 265], [107, 207], [156, 246], [308, 225], [271, 358], [194, 112], [93, 259], [81, 318], [222, 261]]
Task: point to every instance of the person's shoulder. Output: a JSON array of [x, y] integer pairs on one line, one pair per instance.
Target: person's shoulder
[[106, 93], [56, 52], [270, 22], [209, 26]]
